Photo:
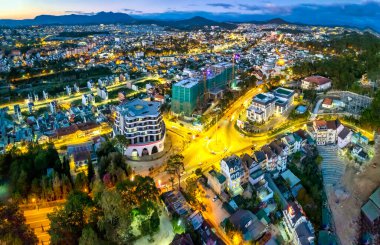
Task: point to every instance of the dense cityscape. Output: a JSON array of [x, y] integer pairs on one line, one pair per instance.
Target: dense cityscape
[[194, 131]]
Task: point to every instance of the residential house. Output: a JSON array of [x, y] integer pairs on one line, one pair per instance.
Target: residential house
[[260, 158], [359, 154], [344, 137], [216, 181], [317, 83], [271, 159], [249, 225], [326, 132], [282, 152], [249, 166], [232, 169], [293, 142], [300, 228]]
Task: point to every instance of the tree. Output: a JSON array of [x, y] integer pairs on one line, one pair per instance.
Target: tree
[[90, 172], [278, 201], [66, 186], [198, 171], [171, 179], [13, 229], [36, 188], [57, 185], [81, 183], [121, 141], [88, 237], [66, 224], [175, 166]]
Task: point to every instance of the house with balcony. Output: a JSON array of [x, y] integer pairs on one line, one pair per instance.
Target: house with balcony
[[297, 225], [326, 132], [232, 169]]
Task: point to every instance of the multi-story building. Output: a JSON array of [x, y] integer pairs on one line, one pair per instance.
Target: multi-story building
[[318, 83], [293, 141], [88, 99], [282, 151], [265, 105], [232, 169], [102, 93], [297, 225], [326, 132], [216, 181], [186, 94], [262, 107], [141, 123], [285, 98]]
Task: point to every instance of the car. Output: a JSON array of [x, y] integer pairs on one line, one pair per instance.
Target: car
[[215, 198]]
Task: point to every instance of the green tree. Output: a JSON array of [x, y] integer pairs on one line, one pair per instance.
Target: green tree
[[198, 171], [88, 237], [121, 141], [171, 180], [278, 201], [13, 229], [66, 224], [175, 166], [90, 172], [81, 183]]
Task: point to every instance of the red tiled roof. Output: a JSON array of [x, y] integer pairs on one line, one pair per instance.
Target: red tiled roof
[[327, 101], [67, 130], [317, 80]]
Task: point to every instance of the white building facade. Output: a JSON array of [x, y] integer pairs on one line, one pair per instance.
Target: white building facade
[[141, 123]]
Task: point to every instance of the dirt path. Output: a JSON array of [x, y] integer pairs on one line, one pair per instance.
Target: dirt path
[[346, 199]]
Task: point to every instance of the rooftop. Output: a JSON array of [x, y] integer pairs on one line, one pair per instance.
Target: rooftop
[[220, 177], [375, 197], [138, 108], [289, 177], [264, 98], [317, 80], [187, 83], [371, 211], [283, 92]]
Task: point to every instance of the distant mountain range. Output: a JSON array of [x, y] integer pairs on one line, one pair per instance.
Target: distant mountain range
[[196, 22], [177, 20]]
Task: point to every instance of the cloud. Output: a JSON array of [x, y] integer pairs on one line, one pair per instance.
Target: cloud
[[221, 5], [267, 8], [132, 11], [79, 12]]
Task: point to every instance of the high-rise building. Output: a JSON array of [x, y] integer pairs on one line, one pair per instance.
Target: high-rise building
[[192, 91], [186, 94], [141, 123]]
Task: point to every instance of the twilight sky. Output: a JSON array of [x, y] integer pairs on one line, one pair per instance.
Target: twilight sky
[[20, 9]]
